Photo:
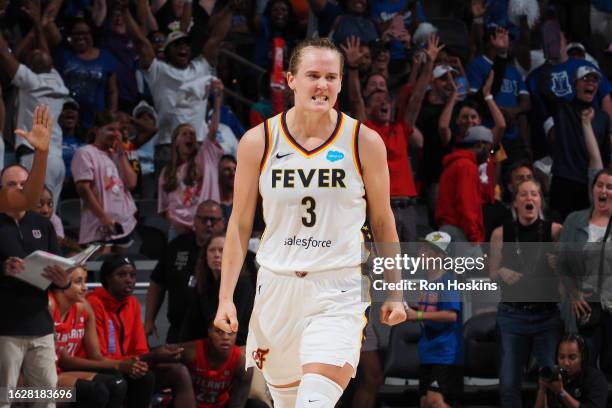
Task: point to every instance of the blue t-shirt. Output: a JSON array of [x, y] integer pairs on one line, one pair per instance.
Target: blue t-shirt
[[441, 343], [384, 10], [86, 80], [70, 144], [229, 118], [512, 86], [562, 79]]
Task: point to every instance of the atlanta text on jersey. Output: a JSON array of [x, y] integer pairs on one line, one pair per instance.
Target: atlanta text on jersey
[[309, 242]]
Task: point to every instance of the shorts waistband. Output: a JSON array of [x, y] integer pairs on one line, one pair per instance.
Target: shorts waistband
[[318, 275]]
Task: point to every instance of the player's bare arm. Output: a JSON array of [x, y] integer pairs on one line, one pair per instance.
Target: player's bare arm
[[240, 225], [373, 157]]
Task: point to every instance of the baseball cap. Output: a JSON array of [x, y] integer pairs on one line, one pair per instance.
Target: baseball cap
[[72, 102], [575, 45], [477, 134], [586, 70], [441, 70], [142, 107], [439, 240], [111, 264], [175, 36]]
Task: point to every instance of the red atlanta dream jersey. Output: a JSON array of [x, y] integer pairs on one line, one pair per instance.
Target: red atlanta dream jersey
[[212, 386]]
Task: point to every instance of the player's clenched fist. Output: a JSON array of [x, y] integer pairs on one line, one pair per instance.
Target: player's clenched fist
[[226, 319], [392, 313]]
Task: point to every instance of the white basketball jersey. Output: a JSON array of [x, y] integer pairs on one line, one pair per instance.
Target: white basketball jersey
[[313, 201]]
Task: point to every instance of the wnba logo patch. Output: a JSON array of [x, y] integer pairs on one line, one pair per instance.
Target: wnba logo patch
[[259, 356]]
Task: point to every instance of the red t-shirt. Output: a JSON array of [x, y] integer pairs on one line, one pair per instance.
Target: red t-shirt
[[212, 386], [70, 332], [396, 136]]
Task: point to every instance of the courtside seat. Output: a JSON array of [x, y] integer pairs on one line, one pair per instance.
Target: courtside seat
[[401, 368], [481, 378]]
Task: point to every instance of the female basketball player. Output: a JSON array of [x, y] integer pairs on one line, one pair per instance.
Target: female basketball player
[[14, 200], [314, 167]]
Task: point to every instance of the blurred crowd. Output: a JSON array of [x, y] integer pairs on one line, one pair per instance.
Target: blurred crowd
[[496, 116]]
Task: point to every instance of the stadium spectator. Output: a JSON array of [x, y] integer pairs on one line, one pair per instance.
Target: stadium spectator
[[508, 87], [439, 313], [427, 122], [277, 21], [227, 173], [216, 365], [578, 385], [570, 184], [579, 266], [88, 72], [459, 205], [552, 81], [468, 115], [26, 333], [104, 179], [45, 208], [144, 120], [179, 85], [528, 318], [175, 272], [74, 136], [191, 176], [38, 83], [397, 134], [122, 337], [113, 37], [204, 295], [97, 380]]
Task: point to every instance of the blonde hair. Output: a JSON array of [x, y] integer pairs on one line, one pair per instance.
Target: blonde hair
[[323, 43]]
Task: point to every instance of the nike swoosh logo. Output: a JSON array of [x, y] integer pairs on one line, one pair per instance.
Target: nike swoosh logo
[[280, 156], [342, 291], [312, 400]]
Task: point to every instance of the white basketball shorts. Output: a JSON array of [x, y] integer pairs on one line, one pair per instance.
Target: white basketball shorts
[[297, 319]]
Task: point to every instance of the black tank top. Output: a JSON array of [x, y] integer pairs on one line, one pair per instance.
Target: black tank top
[[524, 251]]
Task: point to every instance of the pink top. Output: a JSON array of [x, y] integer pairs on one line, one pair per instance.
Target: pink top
[[92, 164], [181, 204], [57, 225]]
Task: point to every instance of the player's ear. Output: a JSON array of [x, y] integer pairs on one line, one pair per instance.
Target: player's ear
[[290, 80]]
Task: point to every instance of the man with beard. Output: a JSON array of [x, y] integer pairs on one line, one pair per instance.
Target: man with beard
[[569, 189], [459, 205], [176, 269]]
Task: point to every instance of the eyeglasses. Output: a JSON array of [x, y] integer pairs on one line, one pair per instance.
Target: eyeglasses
[[206, 220]]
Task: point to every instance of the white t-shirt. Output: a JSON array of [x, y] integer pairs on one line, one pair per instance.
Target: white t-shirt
[[35, 89], [180, 96], [227, 139]]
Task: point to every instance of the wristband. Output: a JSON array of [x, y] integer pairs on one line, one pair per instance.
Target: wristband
[[488, 98], [419, 316], [562, 394], [478, 20]]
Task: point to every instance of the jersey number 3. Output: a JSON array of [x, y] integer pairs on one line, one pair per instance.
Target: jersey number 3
[[310, 218]]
